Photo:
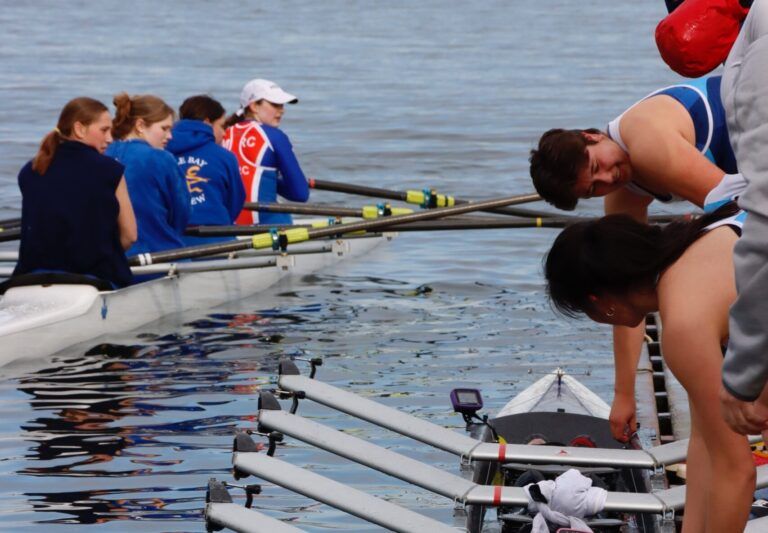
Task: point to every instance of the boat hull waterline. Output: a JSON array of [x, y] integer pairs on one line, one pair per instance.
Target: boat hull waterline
[[37, 321]]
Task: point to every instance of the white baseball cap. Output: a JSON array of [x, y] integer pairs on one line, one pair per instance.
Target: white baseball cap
[[270, 91]]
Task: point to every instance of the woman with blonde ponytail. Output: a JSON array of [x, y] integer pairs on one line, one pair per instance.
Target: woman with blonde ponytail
[[76, 216], [142, 128]]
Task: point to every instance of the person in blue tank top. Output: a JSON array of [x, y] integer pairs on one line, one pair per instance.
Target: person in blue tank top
[[157, 187], [268, 166], [211, 171], [76, 215], [671, 145]]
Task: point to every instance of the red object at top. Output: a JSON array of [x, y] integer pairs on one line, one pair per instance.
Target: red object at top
[[697, 36]]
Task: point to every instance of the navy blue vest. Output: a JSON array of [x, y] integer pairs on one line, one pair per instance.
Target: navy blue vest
[[69, 216]]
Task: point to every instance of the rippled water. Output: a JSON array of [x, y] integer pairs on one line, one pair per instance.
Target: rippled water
[[396, 94]]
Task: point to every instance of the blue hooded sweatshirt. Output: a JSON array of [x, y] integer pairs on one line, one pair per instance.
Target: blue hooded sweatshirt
[[158, 193], [213, 176]]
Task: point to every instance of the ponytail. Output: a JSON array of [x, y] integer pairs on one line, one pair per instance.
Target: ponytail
[[233, 119], [83, 110], [129, 109], [47, 151], [122, 124]]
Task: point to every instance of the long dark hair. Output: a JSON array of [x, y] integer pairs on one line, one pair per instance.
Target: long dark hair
[[84, 110], [616, 254], [201, 107]]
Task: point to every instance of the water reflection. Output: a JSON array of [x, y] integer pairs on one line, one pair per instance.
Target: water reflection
[[131, 432]]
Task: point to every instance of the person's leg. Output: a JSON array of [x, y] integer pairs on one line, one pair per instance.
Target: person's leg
[[692, 356], [698, 479]]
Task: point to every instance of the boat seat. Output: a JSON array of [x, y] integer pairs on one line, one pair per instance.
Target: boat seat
[[54, 278]]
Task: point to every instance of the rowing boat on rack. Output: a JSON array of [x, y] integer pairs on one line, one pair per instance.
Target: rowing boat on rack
[[38, 320], [629, 505], [558, 411]]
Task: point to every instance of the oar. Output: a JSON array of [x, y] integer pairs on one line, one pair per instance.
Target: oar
[[455, 223], [445, 224], [367, 212], [425, 198], [9, 234], [281, 239], [10, 223]]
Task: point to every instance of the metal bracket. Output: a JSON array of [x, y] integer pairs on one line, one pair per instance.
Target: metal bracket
[[340, 247], [668, 520], [286, 262], [250, 490], [384, 209], [298, 395]]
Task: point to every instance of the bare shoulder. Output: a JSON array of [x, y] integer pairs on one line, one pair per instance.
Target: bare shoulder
[[698, 289], [657, 115]]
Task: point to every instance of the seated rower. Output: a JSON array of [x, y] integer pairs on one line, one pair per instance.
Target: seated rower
[[671, 145], [212, 172], [157, 187], [76, 215], [617, 270], [268, 166]]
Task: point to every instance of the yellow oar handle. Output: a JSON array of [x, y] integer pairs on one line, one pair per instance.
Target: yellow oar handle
[[427, 198], [375, 211], [277, 239]]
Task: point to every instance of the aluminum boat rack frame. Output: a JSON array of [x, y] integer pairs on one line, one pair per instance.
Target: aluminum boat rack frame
[[469, 449], [275, 423]]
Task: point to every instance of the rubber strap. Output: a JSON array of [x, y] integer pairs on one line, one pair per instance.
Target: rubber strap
[[502, 452], [497, 495], [538, 222]]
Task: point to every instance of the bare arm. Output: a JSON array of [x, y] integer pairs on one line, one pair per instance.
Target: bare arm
[[627, 342], [660, 136], [126, 220]]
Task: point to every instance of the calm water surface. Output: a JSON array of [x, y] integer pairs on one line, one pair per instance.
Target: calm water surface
[[123, 433]]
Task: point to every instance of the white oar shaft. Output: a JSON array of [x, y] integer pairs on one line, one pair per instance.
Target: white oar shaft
[[464, 446], [380, 415], [204, 266], [439, 481], [337, 495], [242, 520], [368, 454]]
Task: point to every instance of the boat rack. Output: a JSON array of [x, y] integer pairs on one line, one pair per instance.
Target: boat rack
[[274, 422], [221, 512]]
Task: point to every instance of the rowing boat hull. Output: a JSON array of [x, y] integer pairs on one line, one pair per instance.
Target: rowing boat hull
[[558, 408], [37, 321]]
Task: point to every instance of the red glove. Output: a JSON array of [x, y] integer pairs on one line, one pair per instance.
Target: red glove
[[697, 36]]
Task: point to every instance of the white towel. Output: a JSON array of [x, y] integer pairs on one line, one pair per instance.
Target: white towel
[[571, 497]]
